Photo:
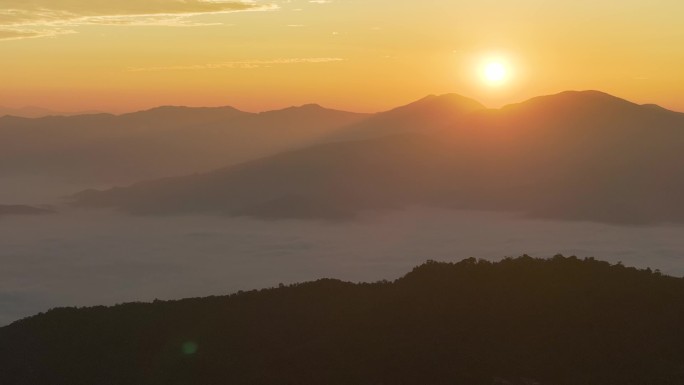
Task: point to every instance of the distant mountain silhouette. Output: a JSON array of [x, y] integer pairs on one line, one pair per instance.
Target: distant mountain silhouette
[[519, 321], [425, 115], [23, 210], [37, 112], [164, 141], [575, 155]]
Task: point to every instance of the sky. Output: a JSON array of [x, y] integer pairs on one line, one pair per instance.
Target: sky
[[360, 55]]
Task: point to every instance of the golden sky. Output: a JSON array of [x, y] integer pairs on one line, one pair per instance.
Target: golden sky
[[362, 55]]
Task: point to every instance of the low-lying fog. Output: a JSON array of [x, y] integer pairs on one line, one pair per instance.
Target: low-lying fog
[[89, 258], [40, 190]]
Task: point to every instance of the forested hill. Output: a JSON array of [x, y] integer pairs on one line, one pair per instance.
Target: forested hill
[[518, 321]]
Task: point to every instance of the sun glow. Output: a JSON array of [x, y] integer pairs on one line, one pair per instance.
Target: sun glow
[[495, 73]]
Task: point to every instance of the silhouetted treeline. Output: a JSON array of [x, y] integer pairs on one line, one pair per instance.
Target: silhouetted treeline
[[518, 321]]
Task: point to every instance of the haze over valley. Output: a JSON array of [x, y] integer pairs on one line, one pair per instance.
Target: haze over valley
[[352, 196]]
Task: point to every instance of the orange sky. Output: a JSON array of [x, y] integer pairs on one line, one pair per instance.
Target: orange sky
[[363, 55]]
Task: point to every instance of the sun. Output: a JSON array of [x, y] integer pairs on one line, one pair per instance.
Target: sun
[[495, 73]]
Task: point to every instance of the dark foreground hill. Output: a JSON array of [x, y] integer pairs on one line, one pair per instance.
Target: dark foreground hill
[[571, 156], [520, 321]]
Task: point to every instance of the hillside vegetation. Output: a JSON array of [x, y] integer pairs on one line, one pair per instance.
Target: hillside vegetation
[[518, 321]]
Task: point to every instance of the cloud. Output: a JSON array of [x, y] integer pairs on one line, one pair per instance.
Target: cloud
[[241, 64], [18, 34], [37, 18]]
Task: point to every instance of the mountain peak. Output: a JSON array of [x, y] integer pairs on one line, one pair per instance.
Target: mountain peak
[[573, 102], [654, 107], [591, 95], [446, 101], [170, 108], [303, 107], [185, 113], [431, 113], [586, 96], [310, 109], [311, 106]]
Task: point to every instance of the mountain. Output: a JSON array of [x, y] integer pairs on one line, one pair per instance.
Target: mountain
[[165, 141], [571, 156], [22, 210], [431, 113], [519, 321], [36, 112]]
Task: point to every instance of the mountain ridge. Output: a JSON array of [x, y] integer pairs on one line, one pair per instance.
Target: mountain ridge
[[431, 113], [32, 112], [589, 165], [104, 149], [12, 210], [455, 98]]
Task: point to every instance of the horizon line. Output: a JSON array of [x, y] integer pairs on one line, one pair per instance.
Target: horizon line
[[58, 113]]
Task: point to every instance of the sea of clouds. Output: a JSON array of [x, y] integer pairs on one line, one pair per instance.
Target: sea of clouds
[[78, 258]]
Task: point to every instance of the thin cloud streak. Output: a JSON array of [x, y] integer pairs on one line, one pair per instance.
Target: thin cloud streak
[[40, 18], [20, 34], [242, 64]]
